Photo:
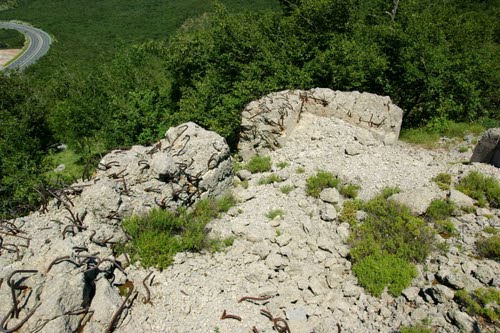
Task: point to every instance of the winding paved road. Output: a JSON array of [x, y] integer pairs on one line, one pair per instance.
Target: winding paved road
[[39, 43]]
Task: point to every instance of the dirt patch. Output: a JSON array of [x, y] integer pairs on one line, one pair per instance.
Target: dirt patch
[[8, 55]]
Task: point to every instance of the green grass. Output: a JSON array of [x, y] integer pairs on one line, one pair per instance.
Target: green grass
[[443, 181], [87, 31], [489, 247], [72, 162], [286, 189], [429, 136], [282, 165], [157, 236], [300, 170], [491, 230], [349, 191], [416, 329], [321, 180], [484, 302], [270, 180], [11, 39], [272, 214], [258, 164], [486, 190], [375, 272]]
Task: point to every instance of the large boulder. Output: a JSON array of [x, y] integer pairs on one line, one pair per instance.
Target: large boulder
[[488, 148], [267, 123]]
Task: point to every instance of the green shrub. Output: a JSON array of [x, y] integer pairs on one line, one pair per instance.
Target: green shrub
[[419, 136], [272, 214], [348, 213], [286, 189], [323, 179], [491, 230], [389, 191], [483, 302], [482, 188], [282, 164], [11, 39], [157, 236], [489, 247], [443, 181], [349, 190], [377, 271], [391, 228], [270, 180], [416, 329], [258, 164], [463, 149], [445, 228], [300, 170], [440, 209]]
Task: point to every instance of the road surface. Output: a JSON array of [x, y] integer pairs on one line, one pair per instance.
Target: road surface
[[39, 43]]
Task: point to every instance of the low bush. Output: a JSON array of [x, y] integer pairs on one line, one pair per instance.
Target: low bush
[[445, 228], [321, 180], [258, 164], [390, 228], [416, 329], [489, 247], [377, 271], [282, 165], [272, 214], [484, 302], [389, 191], [443, 181], [349, 191], [440, 209], [300, 170], [349, 212], [486, 190], [157, 236], [270, 180], [286, 189]]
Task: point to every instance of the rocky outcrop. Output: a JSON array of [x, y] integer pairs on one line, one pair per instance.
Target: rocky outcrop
[[298, 260], [268, 122], [62, 254], [488, 148]]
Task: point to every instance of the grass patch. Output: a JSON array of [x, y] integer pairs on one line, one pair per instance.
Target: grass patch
[[463, 149], [419, 136], [416, 329], [486, 190], [489, 247], [443, 181], [300, 170], [286, 189], [484, 302], [317, 183], [72, 162], [429, 136], [377, 271], [258, 164], [157, 236], [272, 214], [389, 191], [491, 230], [282, 165], [349, 191], [242, 183], [270, 180]]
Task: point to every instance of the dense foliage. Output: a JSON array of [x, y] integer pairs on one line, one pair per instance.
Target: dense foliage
[[11, 39], [438, 60]]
